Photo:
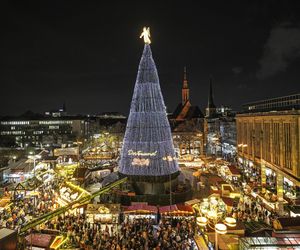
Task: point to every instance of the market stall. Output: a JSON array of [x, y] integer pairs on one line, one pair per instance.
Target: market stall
[[140, 211], [40, 241], [70, 192], [103, 213], [268, 200], [229, 191], [67, 169], [177, 210]]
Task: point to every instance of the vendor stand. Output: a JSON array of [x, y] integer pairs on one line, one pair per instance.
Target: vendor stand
[[234, 174], [67, 169], [40, 241], [177, 210], [140, 211], [229, 191], [70, 192], [24, 189], [268, 200], [103, 213]]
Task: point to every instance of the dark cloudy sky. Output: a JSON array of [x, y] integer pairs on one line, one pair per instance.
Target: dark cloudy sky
[[87, 53]]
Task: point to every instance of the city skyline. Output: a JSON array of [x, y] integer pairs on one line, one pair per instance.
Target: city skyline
[[86, 56]]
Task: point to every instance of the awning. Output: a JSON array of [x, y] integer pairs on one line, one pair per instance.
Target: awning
[[40, 240], [234, 170], [141, 208], [176, 209], [228, 201], [167, 209]]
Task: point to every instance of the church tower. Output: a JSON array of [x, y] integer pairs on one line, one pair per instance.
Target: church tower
[[211, 108], [185, 89]]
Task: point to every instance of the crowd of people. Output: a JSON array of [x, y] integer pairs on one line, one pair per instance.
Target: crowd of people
[[142, 233], [252, 209], [139, 234], [25, 207]]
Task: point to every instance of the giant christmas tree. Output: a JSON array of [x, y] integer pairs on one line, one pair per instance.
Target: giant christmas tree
[[148, 152]]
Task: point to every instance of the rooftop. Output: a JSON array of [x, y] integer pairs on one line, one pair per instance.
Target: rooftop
[[290, 102]]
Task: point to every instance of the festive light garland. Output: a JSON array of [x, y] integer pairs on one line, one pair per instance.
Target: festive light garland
[[148, 140]]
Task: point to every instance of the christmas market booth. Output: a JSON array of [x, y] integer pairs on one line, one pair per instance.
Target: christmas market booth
[[70, 192], [67, 169], [177, 210], [26, 188], [4, 202], [44, 241], [230, 172], [140, 210], [103, 213]]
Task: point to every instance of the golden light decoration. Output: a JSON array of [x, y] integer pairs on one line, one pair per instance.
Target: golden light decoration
[[140, 162], [146, 35], [201, 221], [229, 221], [221, 228]]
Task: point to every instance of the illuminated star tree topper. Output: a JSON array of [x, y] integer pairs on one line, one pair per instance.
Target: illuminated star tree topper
[[146, 35]]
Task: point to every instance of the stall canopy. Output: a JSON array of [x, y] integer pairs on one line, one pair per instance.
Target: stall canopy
[[103, 208], [234, 171], [141, 208], [176, 209], [40, 240]]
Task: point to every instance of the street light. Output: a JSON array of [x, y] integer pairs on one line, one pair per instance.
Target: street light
[[34, 158], [212, 212], [219, 228]]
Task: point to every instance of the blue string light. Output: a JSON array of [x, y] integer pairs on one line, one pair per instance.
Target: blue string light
[[148, 148]]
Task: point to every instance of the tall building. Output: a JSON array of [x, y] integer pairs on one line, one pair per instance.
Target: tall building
[[211, 107], [32, 129], [268, 136], [148, 158], [185, 89], [187, 125], [185, 110]]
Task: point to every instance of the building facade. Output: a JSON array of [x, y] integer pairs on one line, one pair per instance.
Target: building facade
[[268, 138], [42, 130], [219, 128], [187, 122]]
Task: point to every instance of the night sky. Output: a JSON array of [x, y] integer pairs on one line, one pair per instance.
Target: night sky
[[87, 53]]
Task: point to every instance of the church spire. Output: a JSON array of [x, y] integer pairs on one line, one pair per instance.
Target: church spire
[[185, 88], [211, 108]]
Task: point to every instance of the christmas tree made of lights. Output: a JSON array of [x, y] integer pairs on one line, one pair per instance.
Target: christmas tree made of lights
[[148, 151]]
